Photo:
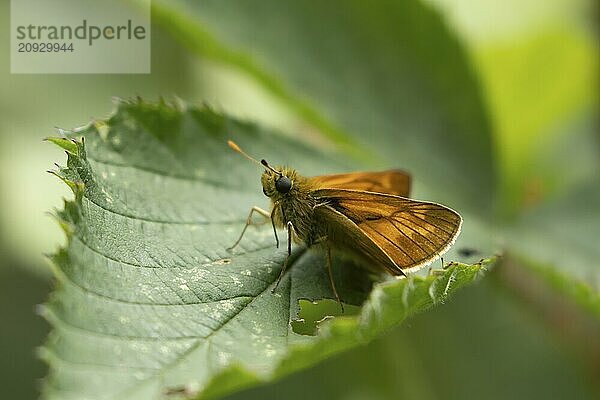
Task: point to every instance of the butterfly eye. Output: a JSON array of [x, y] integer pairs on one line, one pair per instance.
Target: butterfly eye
[[283, 184]]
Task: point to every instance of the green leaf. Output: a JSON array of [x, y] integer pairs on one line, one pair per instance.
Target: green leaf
[[389, 77], [531, 101], [150, 302], [548, 160], [481, 329], [559, 241]]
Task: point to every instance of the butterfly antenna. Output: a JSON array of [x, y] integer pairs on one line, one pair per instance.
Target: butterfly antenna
[[237, 148], [264, 163]]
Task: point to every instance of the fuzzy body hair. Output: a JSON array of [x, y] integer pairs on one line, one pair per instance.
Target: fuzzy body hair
[[296, 206]]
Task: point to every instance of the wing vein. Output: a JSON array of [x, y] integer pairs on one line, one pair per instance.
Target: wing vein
[[427, 254], [435, 226], [417, 232], [410, 239], [393, 244], [434, 216], [420, 226]]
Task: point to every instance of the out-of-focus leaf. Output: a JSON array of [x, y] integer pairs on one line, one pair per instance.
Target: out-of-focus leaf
[[390, 77], [21, 329], [150, 302], [535, 87], [561, 240]]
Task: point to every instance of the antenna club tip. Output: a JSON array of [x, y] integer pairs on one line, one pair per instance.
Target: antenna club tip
[[233, 145], [237, 148], [264, 162]]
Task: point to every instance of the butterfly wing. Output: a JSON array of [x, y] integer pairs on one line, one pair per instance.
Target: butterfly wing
[[344, 233], [411, 234], [393, 181]]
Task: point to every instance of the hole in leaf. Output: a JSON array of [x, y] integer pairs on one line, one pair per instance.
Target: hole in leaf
[[313, 313]]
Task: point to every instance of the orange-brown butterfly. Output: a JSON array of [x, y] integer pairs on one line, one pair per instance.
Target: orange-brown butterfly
[[365, 213]]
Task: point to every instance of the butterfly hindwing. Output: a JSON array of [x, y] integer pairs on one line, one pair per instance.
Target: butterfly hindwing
[[411, 233]]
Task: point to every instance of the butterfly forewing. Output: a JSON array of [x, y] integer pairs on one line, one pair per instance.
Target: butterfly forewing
[[411, 233], [393, 181]]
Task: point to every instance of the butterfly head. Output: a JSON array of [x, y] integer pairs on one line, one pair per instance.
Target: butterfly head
[[277, 182]]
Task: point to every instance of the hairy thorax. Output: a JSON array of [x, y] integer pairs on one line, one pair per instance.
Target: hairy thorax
[[297, 206]]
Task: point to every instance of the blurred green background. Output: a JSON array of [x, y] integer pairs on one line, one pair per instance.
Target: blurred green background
[[510, 336]]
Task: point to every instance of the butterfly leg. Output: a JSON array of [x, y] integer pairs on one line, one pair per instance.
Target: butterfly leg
[[290, 228], [329, 271], [274, 229], [249, 222]]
